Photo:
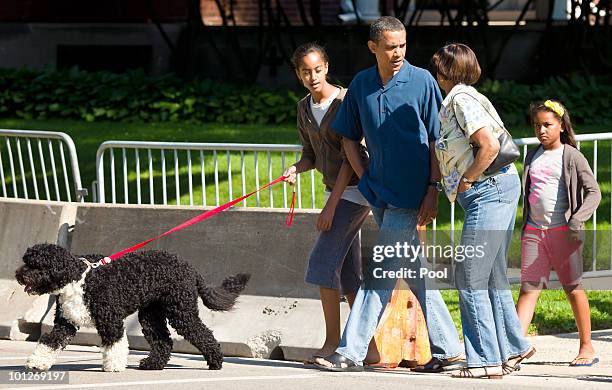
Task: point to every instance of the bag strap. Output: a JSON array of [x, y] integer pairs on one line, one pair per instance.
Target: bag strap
[[483, 106]]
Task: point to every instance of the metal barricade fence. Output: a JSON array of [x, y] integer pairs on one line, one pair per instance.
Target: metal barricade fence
[[41, 165], [196, 173]]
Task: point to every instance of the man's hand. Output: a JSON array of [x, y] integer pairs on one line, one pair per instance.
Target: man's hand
[[290, 174], [429, 207], [324, 222]]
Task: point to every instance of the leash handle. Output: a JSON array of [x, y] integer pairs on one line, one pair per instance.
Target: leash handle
[[291, 214]]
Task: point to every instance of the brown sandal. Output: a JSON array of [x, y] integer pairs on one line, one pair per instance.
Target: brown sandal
[[515, 366], [507, 370], [480, 373]]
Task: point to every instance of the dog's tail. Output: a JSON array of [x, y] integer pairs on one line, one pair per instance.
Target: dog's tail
[[222, 298]]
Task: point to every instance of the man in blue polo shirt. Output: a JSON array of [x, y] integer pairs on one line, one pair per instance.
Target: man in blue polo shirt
[[394, 105]]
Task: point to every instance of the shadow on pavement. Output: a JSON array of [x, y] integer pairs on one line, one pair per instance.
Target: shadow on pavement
[[596, 378], [599, 335]]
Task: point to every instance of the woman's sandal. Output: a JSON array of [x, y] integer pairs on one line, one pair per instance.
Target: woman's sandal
[[480, 373], [339, 363], [509, 368]]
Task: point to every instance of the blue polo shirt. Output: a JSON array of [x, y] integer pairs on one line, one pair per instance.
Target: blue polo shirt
[[398, 121]]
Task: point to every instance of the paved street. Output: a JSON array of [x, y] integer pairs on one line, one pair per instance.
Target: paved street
[[546, 370]]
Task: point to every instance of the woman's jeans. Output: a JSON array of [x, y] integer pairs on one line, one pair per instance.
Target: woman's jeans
[[491, 329], [396, 225]]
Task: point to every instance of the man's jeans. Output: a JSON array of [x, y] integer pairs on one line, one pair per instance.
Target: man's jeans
[[491, 328], [370, 303]]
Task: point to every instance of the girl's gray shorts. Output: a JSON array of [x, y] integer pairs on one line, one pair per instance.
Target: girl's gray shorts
[[335, 259]]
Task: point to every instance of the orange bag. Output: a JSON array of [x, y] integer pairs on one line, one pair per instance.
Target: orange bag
[[402, 332], [401, 336]]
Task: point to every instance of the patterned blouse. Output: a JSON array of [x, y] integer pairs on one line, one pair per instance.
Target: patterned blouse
[[463, 112]]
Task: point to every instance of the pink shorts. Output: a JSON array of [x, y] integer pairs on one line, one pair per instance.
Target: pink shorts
[[544, 250]]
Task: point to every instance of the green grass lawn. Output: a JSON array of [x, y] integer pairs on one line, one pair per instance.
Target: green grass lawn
[[553, 314], [88, 136]]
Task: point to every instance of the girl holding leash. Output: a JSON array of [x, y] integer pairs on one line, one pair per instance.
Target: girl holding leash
[[561, 194], [335, 261]]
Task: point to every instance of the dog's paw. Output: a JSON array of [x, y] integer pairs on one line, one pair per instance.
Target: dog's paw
[[215, 365], [113, 367], [150, 364], [114, 362], [37, 366], [115, 356], [42, 359]]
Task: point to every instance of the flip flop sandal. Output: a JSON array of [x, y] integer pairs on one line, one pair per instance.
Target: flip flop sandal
[[593, 362], [340, 364], [483, 373], [313, 359], [379, 366]]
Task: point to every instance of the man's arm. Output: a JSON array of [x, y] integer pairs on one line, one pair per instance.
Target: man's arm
[[429, 207], [434, 166], [353, 155]]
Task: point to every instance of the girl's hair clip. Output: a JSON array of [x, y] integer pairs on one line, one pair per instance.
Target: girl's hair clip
[[555, 107]]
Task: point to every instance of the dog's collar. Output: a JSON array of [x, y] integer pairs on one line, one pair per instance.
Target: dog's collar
[[96, 264]]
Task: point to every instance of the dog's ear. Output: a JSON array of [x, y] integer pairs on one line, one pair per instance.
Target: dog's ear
[[63, 276], [49, 256]]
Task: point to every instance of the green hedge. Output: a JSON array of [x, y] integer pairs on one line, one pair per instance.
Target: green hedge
[[588, 98], [92, 96], [134, 96]]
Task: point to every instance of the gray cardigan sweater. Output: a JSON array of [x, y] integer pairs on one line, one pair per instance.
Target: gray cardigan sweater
[[582, 188]]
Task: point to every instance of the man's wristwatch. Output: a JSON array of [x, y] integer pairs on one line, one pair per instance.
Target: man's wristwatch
[[436, 185], [466, 181]]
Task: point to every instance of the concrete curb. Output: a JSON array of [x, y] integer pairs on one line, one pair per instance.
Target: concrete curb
[[260, 327]]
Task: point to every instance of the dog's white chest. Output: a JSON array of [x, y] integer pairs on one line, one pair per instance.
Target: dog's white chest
[[74, 309]]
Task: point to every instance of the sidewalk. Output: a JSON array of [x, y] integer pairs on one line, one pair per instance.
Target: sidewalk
[[546, 370], [558, 350]]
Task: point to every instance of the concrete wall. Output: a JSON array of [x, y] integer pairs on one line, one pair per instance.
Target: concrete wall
[[241, 240], [24, 223]]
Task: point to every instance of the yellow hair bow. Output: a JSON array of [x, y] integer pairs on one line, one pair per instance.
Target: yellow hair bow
[[555, 106]]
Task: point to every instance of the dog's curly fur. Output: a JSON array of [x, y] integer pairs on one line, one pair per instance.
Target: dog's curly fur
[[157, 284]]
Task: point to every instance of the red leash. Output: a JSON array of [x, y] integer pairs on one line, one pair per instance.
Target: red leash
[[198, 219]]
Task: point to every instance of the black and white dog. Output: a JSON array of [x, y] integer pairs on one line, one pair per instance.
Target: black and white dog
[[158, 285]]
